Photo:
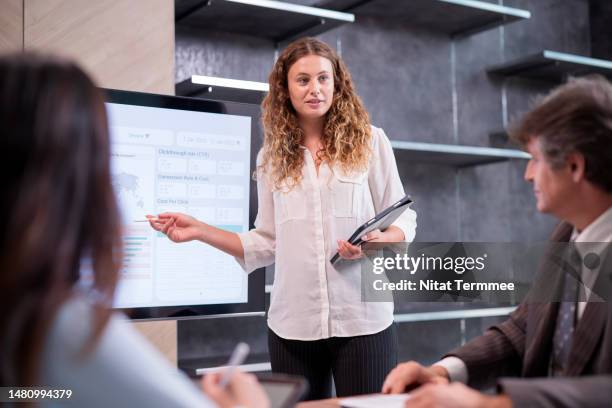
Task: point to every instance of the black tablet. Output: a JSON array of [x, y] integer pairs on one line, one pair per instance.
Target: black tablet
[[381, 221], [284, 391]]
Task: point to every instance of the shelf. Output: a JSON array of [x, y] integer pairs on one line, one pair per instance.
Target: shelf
[[453, 314], [445, 314], [253, 92], [274, 20], [224, 89], [453, 155], [553, 66], [261, 363], [200, 366], [453, 17]]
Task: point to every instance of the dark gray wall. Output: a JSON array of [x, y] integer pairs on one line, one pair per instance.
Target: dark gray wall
[[601, 32], [419, 85]]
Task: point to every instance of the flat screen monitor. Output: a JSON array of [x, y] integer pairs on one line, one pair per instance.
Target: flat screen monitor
[[188, 155]]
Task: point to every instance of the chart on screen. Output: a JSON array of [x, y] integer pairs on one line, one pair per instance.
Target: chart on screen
[[197, 163]]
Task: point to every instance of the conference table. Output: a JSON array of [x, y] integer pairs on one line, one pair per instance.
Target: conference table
[[326, 403]]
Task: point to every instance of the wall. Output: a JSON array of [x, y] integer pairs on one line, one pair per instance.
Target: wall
[[121, 43], [11, 26], [601, 35]]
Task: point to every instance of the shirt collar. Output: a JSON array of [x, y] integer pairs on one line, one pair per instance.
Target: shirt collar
[[599, 230]]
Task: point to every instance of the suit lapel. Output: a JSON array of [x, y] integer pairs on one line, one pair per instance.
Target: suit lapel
[[543, 316], [590, 326], [586, 336], [539, 342]]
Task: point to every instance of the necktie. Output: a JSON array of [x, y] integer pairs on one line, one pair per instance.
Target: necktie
[[564, 329]]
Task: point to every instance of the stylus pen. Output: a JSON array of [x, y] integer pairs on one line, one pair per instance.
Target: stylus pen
[[147, 219], [239, 354]]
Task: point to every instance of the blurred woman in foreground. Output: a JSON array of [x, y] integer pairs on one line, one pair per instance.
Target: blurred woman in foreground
[[59, 210]]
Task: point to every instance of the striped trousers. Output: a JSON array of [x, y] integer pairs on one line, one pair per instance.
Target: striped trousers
[[358, 364]]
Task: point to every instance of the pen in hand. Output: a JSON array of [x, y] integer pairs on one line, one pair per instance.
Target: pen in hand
[[148, 219], [238, 356]]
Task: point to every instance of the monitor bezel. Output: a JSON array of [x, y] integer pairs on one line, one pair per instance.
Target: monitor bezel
[[256, 279]]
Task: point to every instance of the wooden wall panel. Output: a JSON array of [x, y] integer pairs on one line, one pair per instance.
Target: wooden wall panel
[[11, 26], [163, 335], [124, 44]]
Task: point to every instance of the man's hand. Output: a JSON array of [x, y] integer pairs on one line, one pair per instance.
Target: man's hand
[[455, 395], [412, 374]]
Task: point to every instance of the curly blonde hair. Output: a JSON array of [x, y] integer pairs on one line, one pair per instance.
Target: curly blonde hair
[[346, 135]]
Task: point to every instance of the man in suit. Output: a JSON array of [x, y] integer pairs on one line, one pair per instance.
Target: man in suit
[[547, 354]]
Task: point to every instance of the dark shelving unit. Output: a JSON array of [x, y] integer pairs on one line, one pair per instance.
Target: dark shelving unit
[[222, 89], [453, 17], [453, 155], [552, 66], [261, 362], [275, 20], [200, 366]]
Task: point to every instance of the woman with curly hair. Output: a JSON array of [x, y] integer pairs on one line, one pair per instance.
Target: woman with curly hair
[[323, 171]]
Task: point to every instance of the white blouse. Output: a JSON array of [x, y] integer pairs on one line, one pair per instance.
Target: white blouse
[[298, 231]]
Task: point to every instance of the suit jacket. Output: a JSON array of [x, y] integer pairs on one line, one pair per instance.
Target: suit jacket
[[522, 345]]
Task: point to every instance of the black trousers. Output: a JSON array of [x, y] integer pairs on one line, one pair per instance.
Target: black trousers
[[358, 364]]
